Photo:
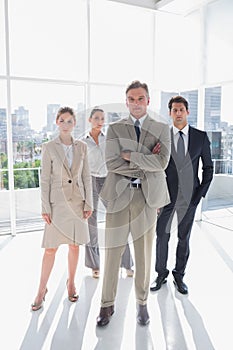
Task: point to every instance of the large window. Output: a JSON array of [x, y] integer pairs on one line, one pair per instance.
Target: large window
[[4, 171], [177, 51], [83, 53], [48, 39], [111, 99], [2, 40], [33, 122], [219, 44], [122, 45]]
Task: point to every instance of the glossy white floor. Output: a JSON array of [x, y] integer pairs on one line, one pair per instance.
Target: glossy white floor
[[202, 320]]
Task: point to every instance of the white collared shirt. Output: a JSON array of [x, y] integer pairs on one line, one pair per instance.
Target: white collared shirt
[[141, 120], [96, 155]]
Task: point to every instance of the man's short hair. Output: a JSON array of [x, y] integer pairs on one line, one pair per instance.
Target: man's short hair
[[137, 84], [178, 99]]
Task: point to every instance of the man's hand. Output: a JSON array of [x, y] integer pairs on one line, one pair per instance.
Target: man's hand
[[126, 155], [156, 149]]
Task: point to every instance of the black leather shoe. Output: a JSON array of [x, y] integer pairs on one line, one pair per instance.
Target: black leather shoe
[[104, 315], [143, 317], [180, 286], [157, 284]]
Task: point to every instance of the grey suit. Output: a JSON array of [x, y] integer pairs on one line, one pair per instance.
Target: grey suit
[[133, 210]]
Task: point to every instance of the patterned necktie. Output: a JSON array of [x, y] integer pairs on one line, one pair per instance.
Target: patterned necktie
[[180, 148], [137, 129]]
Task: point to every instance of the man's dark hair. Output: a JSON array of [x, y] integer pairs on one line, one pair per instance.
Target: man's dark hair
[[137, 84], [178, 99]]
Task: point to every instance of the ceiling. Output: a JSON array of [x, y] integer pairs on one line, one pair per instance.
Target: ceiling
[[151, 4], [180, 7]]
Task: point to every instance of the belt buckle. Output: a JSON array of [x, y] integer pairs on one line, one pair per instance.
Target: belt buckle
[[134, 185]]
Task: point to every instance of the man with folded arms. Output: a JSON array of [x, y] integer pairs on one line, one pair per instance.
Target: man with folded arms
[[134, 189]]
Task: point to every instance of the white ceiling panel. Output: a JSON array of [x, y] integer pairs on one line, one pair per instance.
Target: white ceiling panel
[[150, 4]]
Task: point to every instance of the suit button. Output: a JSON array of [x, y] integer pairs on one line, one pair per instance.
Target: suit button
[[69, 181]]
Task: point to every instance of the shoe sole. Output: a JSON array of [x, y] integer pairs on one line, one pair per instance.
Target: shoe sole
[[143, 324]]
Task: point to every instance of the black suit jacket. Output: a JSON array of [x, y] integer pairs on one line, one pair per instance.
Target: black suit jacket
[[186, 176]]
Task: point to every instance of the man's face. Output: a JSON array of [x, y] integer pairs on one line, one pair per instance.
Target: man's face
[[179, 115], [137, 101]]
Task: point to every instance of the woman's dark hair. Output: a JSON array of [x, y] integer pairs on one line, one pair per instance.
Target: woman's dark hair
[[95, 109]]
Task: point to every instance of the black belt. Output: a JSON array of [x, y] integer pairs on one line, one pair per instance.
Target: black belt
[[134, 185]]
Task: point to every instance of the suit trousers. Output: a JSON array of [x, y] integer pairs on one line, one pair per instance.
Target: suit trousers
[[185, 217], [92, 256], [138, 219]]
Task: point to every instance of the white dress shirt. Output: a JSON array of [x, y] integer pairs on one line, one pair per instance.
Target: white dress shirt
[[96, 155], [68, 153]]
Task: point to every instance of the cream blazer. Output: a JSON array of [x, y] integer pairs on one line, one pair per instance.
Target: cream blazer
[[58, 182]]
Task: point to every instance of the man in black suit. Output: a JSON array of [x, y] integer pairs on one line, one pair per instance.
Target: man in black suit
[[189, 146]]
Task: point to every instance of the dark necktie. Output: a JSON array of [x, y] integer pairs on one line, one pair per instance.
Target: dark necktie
[[137, 129], [180, 148], [138, 132]]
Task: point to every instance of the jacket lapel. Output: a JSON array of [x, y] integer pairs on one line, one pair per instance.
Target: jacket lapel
[[173, 150], [131, 130], [191, 141], [76, 157], [144, 129]]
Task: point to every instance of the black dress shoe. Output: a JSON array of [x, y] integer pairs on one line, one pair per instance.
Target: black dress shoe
[[157, 284], [104, 315], [180, 286], [143, 317]]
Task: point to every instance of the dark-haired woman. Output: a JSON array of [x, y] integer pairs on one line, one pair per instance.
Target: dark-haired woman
[[66, 193]]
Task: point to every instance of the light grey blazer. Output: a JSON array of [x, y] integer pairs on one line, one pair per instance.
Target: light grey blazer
[[150, 168]]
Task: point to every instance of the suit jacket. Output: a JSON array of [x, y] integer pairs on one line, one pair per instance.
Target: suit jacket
[[186, 176], [150, 168], [58, 181]]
